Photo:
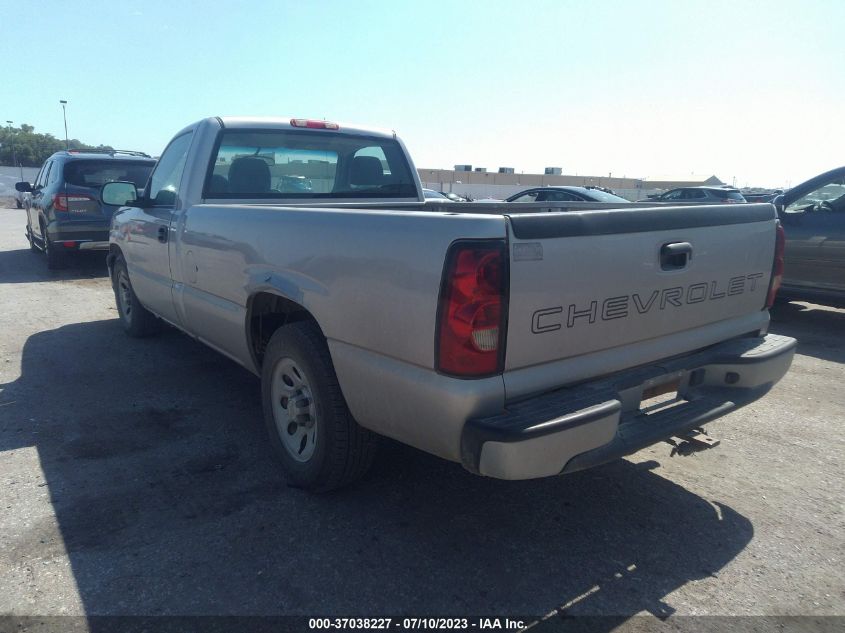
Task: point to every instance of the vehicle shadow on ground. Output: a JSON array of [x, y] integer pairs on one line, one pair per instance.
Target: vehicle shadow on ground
[[167, 501], [25, 266], [812, 325]]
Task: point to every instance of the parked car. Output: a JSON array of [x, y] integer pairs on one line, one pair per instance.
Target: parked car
[[764, 196], [431, 194], [566, 194], [519, 342], [294, 183], [64, 213], [813, 215], [703, 195]]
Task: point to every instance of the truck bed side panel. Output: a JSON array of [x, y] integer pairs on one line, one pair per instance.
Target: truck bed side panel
[[371, 279]]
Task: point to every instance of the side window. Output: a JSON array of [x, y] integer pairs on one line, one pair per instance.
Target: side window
[[530, 196], [673, 195], [696, 194], [561, 196], [37, 180], [828, 198], [42, 175], [165, 179], [53, 176]]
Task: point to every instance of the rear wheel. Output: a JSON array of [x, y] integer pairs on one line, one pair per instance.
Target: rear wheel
[[314, 436], [55, 258], [136, 320]]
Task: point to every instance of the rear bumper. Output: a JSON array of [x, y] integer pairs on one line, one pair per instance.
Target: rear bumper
[[87, 235], [583, 426]]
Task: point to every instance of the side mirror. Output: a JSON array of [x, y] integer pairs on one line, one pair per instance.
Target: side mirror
[[23, 187], [118, 194]]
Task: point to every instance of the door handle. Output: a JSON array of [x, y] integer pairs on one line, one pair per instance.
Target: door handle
[[162, 234], [675, 256]]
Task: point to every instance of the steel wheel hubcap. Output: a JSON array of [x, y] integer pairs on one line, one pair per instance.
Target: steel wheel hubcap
[[293, 410]]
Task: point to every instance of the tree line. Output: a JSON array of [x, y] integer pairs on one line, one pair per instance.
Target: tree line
[[24, 146]]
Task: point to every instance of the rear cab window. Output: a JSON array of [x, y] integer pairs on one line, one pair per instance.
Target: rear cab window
[[296, 164]]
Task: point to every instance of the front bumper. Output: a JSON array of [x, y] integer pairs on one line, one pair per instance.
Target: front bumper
[[586, 425]]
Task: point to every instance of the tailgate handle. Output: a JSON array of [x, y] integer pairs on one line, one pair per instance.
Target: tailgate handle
[[162, 234], [675, 255]]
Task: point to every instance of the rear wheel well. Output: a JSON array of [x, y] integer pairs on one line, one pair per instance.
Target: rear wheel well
[[114, 253], [268, 312]]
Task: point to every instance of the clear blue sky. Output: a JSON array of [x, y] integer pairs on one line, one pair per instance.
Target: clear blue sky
[[751, 90]]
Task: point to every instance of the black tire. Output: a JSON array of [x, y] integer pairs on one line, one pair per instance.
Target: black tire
[[342, 449], [55, 258], [136, 320]]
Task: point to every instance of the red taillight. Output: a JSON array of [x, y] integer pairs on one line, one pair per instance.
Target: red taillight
[[62, 201], [472, 313], [777, 266], [69, 244], [314, 124]]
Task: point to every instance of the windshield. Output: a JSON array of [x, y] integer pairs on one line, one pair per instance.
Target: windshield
[[96, 173], [306, 164]]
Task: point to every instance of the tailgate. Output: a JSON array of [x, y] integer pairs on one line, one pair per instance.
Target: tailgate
[[587, 282], [82, 203]]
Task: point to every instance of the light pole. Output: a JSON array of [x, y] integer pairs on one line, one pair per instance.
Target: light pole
[[64, 115]]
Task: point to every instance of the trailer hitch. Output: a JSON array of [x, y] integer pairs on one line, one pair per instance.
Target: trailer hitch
[[693, 442]]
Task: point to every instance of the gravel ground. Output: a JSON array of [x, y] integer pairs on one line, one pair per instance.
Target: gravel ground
[[135, 479]]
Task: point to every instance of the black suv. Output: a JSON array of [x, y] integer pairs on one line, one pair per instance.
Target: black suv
[[704, 195], [64, 213]]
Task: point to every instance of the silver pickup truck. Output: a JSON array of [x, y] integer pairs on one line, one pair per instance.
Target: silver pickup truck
[[521, 340]]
